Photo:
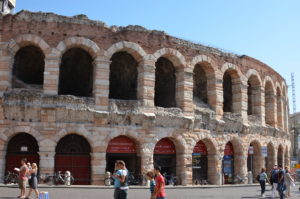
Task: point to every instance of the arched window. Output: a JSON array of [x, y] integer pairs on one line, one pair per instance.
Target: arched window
[[200, 84], [123, 77], [76, 73], [279, 107], [254, 98], [165, 83], [227, 93], [28, 67]]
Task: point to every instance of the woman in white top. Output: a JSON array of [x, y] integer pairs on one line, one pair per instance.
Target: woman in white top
[[288, 180]]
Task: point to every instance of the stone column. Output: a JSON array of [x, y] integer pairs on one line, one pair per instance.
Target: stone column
[[183, 171], [184, 91], [2, 165], [214, 171], [98, 164], [47, 161], [101, 83], [219, 95], [240, 164], [240, 98], [146, 85], [280, 112], [5, 70], [51, 75]]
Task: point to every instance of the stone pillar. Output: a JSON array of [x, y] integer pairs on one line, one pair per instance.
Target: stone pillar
[[47, 161], [98, 164], [101, 83], [146, 160], [5, 69], [2, 165], [183, 172], [184, 91], [219, 95], [258, 103], [279, 112], [146, 85], [270, 110], [240, 98], [240, 164], [214, 171], [51, 75]]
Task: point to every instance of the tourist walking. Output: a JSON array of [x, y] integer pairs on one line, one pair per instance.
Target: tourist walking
[[121, 180], [288, 180], [33, 182], [150, 176], [281, 185], [274, 180], [262, 181], [159, 191], [23, 178]]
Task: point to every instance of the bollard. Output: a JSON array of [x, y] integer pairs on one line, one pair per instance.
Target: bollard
[[250, 177], [67, 178]]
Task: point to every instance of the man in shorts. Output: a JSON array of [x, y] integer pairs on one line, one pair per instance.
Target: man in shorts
[[23, 178]]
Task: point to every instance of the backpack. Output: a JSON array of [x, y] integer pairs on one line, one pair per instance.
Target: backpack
[[258, 177]]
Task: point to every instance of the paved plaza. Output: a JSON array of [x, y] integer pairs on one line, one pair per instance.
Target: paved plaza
[[172, 193]]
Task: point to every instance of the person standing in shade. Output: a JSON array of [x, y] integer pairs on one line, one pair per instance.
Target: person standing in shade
[[274, 178], [33, 182], [281, 185], [121, 180], [159, 191], [288, 180], [262, 181], [23, 178]]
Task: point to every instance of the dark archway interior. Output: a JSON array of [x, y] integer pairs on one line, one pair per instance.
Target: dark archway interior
[[200, 83], [76, 73], [227, 92], [123, 77], [29, 66], [249, 93], [165, 83], [73, 144], [23, 140]]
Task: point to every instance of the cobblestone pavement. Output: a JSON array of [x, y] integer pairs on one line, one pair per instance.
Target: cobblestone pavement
[[178, 193]]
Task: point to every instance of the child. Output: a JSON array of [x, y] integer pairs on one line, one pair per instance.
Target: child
[[150, 177]]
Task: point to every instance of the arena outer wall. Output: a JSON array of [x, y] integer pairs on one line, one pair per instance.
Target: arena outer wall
[[49, 116]]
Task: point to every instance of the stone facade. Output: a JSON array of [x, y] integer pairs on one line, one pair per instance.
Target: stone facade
[[258, 103]]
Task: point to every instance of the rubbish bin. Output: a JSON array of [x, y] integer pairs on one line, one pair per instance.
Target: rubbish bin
[[250, 177]]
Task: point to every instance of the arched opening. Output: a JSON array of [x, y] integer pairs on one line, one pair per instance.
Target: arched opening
[[254, 159], [123, 77], [228, 163], [76, 73], [73, 154], [286, 157], [28, 68], [200, 84], [269, 104], [22, 145], [270, 158], [123, 148], [254, 98], [200, 163], [279, 107], [165, 157], [165, 83], [228, 91], [280, 156]]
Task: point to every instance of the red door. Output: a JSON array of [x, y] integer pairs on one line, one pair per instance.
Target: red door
[[78, 165], [14, 160]]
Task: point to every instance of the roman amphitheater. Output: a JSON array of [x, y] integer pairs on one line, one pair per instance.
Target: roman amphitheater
[[77, 95]]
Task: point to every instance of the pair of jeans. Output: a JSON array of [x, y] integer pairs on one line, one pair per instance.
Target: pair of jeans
[[120, 194], [263, 186], [281, 188]]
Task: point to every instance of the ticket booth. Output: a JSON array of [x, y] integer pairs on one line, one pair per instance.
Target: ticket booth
[[123, 148], [165, 156], [228, 164], [199, 163]]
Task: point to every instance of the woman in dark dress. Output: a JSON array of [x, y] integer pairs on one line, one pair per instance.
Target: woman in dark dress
[[33, 182]]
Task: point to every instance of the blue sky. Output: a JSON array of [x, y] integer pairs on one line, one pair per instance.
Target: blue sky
[[268, 30]]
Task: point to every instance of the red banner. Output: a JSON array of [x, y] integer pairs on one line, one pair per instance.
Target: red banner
[[121, 144], [165, 146], [200, 148], [228, 149]]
